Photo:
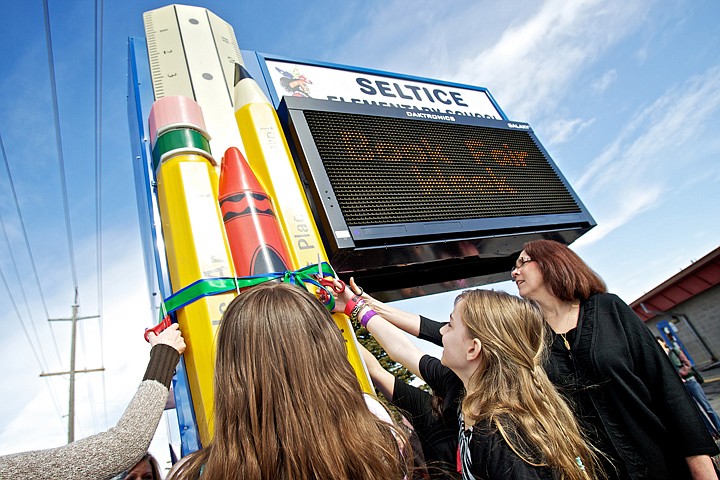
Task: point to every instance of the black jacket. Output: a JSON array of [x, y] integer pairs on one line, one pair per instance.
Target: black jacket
[[626, 391], [438, 434]]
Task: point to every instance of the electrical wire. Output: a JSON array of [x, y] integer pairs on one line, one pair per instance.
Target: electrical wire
[[98, 183], [58, 143], [38, 356], [22, 291], [32, 346], [27, 245]]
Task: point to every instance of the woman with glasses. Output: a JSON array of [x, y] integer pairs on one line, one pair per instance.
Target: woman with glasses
[[287, 402], [623, 390]]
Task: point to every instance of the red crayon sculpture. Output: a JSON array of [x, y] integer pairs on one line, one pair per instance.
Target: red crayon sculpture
[[253, 231]]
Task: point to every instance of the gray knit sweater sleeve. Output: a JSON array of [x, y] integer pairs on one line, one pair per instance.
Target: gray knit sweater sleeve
[[108, 453]]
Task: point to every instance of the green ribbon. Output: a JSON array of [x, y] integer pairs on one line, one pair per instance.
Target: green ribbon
[[214, 286]]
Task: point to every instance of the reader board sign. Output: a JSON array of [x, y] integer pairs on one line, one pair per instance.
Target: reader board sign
[[356, 86]]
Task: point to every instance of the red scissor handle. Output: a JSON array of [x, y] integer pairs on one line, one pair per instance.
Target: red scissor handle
[[330, 282], [324, 293], [158, 328]]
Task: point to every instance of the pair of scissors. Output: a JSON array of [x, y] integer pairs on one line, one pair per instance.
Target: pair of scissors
[[324, 293], [166, 322], [329, 281]]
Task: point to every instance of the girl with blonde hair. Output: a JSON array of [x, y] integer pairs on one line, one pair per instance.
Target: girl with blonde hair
[[513, 423], [287, 402]]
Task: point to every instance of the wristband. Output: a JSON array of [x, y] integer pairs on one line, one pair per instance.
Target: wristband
[[356, 311], [351, 304], [367, 316]]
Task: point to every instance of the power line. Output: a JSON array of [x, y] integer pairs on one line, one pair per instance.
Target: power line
[[27, 336], [40, 358], [22, 289], [98, 180], [58, 142], [27, 243]]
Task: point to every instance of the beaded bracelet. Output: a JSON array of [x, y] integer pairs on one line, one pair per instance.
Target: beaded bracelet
[[352, 304], [356, 311], [367, 316]]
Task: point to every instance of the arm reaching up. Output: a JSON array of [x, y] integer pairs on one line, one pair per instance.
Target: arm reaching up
[[383, 380], [393, 340], [107, 453], [406, 321]]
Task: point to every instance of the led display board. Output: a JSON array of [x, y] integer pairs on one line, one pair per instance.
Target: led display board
[[411, 202]]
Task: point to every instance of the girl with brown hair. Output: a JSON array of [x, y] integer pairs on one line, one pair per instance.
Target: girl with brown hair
[[146, 469], [513, 423], [287, 402]]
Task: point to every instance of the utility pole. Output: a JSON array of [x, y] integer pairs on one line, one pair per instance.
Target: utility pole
[[71, 407]]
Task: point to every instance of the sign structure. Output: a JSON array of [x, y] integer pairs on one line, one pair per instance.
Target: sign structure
[[192, 54], [344, 84], [413, 185]]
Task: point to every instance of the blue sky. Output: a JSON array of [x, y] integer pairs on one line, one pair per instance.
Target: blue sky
[[625, 96]]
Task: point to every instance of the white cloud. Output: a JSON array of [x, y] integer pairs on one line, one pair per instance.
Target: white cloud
[[642, 54], [620, 211], [646, 144], [603, 83], [562, 130], [530, 68], [426, 38], [650, 155], [526, 55]]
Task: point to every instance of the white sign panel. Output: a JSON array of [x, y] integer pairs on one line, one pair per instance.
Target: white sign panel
[[424, 98]]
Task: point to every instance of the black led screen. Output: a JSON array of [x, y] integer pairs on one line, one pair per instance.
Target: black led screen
[[414, 203], [387, 170]]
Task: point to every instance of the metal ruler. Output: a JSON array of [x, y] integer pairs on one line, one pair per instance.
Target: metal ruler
[[192, 52]]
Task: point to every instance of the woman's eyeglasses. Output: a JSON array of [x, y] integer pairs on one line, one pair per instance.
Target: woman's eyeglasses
[[520, 263]]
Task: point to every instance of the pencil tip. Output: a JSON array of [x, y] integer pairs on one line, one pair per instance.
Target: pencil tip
[[240, 74]]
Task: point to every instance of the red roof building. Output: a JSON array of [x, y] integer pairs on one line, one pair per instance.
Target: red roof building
[[690, 301]]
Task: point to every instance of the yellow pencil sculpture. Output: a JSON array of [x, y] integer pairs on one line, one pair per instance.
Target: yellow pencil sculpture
[[270, 159], [195, 241]]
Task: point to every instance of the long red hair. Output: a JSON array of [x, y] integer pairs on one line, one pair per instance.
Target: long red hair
[[566, 275]]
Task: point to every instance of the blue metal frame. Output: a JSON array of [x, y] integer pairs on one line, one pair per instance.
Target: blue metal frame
[[140, 100]]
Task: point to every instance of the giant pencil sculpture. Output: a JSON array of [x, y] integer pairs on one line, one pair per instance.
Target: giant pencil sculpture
[[270, 159], [195, 242]]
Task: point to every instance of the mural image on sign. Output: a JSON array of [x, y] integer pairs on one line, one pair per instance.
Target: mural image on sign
[[325, 83]]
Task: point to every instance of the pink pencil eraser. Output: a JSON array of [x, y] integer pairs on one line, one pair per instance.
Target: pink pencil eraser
[[175, 111]]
